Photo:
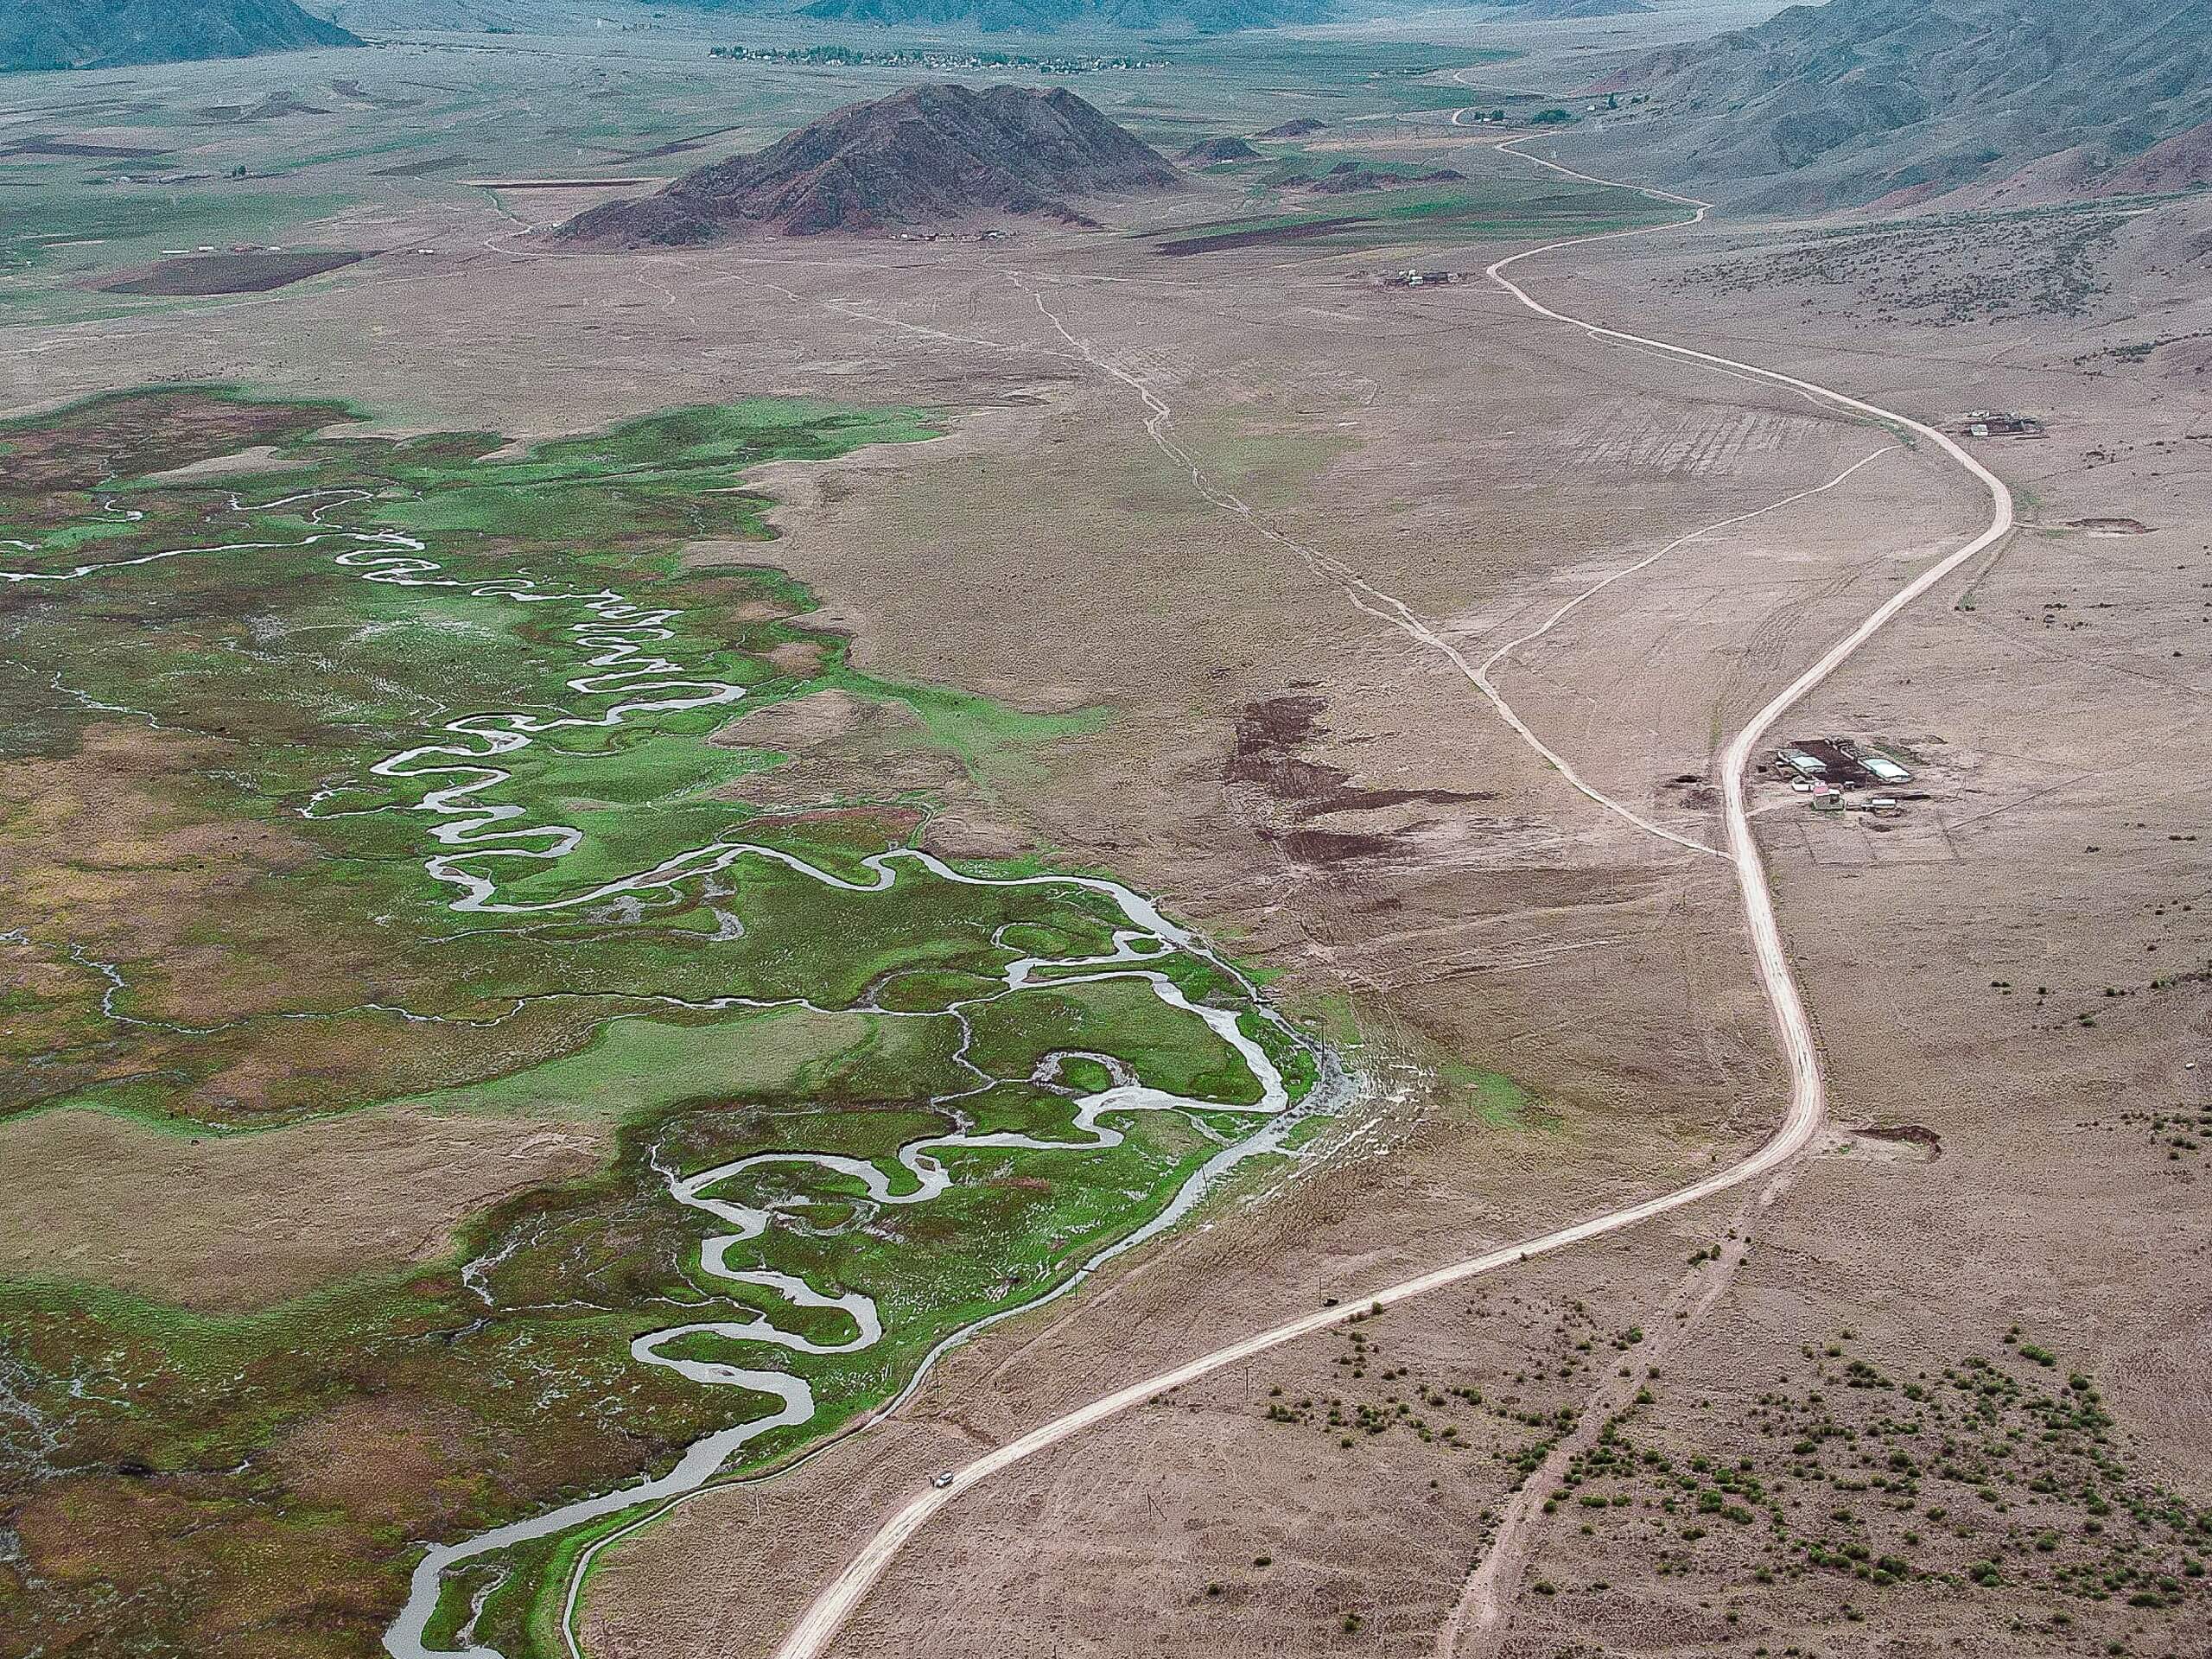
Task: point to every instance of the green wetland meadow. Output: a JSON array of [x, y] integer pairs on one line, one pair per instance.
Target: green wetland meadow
[[409, 774]]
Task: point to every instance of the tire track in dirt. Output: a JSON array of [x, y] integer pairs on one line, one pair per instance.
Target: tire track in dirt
[[1477, 1627], [1364, 596], [818, 1625]]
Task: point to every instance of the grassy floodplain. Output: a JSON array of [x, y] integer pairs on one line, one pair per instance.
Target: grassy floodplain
[[1493, 208], [233, 622]]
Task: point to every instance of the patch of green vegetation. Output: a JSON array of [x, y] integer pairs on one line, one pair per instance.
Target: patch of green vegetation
[[304, 675], [1306, 1130], [927, 990], [261, 701], [1267, 469], [1459, 213], [1166, 1048], [634, 1067], [1290, 1057], [1367, 70], [1084, 1074], [64, 234], [975, 729], [1497, 1099]]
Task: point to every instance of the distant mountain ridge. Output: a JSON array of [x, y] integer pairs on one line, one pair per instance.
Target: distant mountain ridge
[[1859, 99], [930, 154], [105, 33]]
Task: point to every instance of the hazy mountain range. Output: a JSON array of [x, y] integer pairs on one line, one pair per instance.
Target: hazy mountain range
[[102, 33], [1861, 99]]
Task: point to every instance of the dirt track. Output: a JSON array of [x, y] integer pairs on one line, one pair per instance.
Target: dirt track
[[1513, 930], [821, 1620]]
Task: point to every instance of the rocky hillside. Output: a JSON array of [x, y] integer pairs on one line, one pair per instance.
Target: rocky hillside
[[929, 156], [1864, 99], [103, 34]]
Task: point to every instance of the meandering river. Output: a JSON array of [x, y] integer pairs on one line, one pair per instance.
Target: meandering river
[[619, 643]]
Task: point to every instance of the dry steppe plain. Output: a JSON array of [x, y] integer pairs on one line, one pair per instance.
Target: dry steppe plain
[[1950, 958], [2015, 967]]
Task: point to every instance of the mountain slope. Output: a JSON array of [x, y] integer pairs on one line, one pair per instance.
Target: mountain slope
[[927, 156], [102, 33], [1858, 100]]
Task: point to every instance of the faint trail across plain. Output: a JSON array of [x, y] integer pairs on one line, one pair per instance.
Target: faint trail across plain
[[817, 1626]]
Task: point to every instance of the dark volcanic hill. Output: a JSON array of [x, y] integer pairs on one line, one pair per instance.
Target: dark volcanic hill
[[1208, 150], [105, 33], [928, 155], [1859, 99]]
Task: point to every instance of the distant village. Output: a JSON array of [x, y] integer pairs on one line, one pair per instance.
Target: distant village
[[932, 58]]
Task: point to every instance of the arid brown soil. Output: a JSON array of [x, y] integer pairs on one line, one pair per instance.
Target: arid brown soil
[[232, 1223], [1932, 1254], [2012, 971]]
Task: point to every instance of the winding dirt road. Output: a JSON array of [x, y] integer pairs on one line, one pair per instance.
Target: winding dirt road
[[818, 1625]]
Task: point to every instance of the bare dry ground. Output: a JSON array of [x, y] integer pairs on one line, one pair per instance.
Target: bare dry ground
[[1958, 960], [1337, 802], [230, 1223]]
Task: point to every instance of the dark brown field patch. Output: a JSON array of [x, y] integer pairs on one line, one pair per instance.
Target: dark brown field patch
[[46, 144], [428, 168], [1917, 1136], [1269, 735], [256, 272], [1292, 791], [558, 184], [1221, 241]]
